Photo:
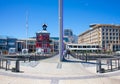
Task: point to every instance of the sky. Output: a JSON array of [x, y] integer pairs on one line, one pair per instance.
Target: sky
[[78, 15]]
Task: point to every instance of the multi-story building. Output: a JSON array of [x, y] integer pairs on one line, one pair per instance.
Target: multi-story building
[[6, 43], [55, 42], [68, 32], [71, 37], [11, 43], [21, 44], [3, 44], [107, 36]]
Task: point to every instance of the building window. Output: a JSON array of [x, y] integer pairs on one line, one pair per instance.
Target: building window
[[79, 46], [75, 46], [70, 46], [103, 42], [103, 37], [93, 46], [88, 47], [113, 30], [102, 33], [103, 30], [106, 37], [103, 46], [84, 46], [110, 38], [106, 33], [106, 30], [110, 30], [97, 46]]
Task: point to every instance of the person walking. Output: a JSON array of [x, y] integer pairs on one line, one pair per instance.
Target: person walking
[[68, 54]]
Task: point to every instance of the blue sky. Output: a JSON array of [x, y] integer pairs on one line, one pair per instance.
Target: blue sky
[[78, 15]]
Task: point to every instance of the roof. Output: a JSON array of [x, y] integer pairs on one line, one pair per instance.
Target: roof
[[101, 25], [83, 44], [43, 31], [94, 26]]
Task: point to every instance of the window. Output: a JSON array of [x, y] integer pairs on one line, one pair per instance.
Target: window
[[102, 33], [93, 46], [103, 46], [84, 46], [110, 38], [113, 30], [106, 33], [102, 29], [103, 42], [97, 46], [106, 30], [75, 46], [110, 33], [110, 41], [70, 46], [116, 30], [103, 37], [107, 41], [110, 30], [79, 46], [88, 47]]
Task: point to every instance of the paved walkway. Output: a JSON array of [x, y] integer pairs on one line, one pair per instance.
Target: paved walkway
[[51, 71]]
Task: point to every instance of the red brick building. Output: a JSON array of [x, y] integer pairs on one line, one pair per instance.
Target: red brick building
[[42, 40]]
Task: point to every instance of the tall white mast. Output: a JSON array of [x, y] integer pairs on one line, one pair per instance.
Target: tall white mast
[[26, 28], [61, 29]]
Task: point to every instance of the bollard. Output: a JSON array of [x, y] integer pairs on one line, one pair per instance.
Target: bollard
[[17, 66]]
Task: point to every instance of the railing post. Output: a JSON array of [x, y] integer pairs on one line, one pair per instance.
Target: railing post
[[6, 66], [111, 64]]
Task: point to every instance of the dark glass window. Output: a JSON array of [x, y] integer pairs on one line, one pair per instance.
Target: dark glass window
[[84, 46]]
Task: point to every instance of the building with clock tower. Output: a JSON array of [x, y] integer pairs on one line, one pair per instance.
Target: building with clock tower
[[42, 40]]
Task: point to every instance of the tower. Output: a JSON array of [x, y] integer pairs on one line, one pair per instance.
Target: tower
[[42, 40]]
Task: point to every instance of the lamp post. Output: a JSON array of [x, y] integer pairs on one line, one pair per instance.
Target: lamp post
[[61, 29]]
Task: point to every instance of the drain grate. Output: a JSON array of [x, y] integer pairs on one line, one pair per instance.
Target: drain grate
[[59, 65], [54, 81]]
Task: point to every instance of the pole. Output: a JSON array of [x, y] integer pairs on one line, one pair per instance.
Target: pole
[[61, 29], [26, 27]]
